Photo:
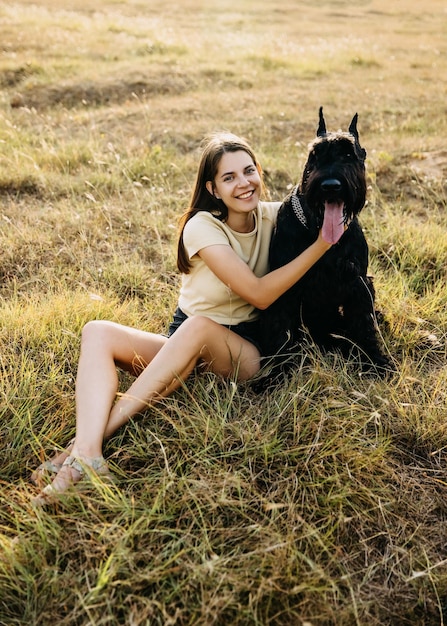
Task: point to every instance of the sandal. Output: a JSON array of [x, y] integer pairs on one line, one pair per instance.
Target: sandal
[[48, 469], [77, 469]]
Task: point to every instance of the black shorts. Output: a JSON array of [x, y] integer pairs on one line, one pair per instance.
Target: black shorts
[[250, 331]]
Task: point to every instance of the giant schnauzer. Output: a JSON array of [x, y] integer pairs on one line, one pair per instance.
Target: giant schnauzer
[[333, 303]]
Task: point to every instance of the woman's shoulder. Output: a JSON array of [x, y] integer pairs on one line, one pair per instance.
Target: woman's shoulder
[[203, 215], [203, 229], [201, 220]]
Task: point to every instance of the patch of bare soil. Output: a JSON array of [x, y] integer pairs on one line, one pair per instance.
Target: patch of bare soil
[[26, 185], [430, 164], [97, 93]]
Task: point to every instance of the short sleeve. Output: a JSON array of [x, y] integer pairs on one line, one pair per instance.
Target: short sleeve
[[201, 231]]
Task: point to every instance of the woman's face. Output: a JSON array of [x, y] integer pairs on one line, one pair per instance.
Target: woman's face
[[237, 182]]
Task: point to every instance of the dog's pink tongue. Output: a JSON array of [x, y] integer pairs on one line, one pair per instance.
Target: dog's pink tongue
[[333, 227]]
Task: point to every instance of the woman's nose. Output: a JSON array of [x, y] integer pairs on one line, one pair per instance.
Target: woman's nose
[[243, 181]]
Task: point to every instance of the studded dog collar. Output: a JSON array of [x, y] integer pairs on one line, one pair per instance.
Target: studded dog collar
[[297, 208]]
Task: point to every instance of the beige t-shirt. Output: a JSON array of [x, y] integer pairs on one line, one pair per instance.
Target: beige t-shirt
[[202, 293]]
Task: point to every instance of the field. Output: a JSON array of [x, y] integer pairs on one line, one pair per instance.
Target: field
[[322, 502]]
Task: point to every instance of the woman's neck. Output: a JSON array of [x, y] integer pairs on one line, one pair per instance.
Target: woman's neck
[[242, 223]]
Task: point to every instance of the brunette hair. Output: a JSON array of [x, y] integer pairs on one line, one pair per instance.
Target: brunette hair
[[214, 146]]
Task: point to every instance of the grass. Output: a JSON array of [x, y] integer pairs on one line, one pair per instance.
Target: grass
[[319, 503]]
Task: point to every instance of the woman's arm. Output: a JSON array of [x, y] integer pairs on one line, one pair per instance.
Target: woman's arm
[[260, 292]]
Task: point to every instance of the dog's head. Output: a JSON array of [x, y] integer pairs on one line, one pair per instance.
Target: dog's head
[[334, 182]]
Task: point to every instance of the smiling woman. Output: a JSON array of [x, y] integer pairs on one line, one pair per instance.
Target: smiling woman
[[223, 254], [238, 188]]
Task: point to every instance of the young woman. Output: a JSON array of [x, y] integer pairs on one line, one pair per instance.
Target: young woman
[[223, 256]]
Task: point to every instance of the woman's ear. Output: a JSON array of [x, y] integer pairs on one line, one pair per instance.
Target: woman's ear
[[210, 187]]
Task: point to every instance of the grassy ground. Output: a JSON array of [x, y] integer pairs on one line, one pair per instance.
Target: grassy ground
[[323, 502]]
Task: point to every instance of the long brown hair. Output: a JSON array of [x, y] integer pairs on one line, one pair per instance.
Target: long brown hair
[[214, 147]]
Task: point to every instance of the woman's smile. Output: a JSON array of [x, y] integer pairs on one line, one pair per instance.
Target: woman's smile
[[245, 195]]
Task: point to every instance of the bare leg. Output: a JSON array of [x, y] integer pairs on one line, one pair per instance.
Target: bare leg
[[104, 344], [164, 363]]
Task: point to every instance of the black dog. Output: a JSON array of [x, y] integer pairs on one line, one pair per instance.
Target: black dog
[[334, 302]]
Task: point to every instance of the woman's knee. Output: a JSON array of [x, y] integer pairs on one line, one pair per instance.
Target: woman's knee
[[199, 326], [98, 331]]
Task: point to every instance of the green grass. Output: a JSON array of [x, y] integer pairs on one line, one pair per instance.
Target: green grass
[[319, 503]]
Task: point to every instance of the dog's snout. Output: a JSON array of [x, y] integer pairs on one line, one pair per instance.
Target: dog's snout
[[331, 184]]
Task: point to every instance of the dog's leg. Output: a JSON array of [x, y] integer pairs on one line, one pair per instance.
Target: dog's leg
[[359, 317]]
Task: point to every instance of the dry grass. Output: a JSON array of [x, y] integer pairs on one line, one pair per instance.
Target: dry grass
[[319, 503]]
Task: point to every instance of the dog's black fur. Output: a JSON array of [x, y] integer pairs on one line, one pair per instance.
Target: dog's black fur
[[334, 301]]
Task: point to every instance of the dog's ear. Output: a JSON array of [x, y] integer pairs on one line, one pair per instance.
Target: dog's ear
[[354, 132], [321, 132], [353, 128]]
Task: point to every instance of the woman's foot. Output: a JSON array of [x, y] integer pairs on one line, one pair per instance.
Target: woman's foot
[[73, 470], [48, 469]]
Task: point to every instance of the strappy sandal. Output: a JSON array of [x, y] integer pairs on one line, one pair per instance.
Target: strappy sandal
[[44, 472], [87, 469], [48, 469]]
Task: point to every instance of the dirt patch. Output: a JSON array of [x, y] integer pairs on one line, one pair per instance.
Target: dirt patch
[[95, 93], [430, 164], [26, 186]]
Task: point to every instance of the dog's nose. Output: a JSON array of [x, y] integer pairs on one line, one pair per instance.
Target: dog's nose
[[331, 184]]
